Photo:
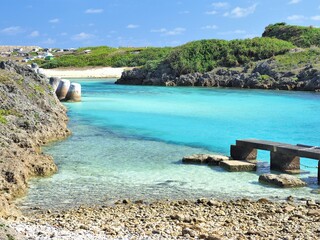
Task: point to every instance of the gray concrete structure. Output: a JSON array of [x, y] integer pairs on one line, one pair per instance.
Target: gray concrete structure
[[283, 157]]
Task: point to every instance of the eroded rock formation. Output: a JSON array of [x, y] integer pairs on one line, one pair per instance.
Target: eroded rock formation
[[30, 116]]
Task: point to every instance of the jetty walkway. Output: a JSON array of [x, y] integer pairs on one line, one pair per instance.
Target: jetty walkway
[[283, 157]]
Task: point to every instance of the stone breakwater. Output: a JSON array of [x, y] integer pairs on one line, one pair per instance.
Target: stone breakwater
[[186, 219], [263, 76], [30, 116]]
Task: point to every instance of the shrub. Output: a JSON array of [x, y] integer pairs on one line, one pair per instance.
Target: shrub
[[298, 35]]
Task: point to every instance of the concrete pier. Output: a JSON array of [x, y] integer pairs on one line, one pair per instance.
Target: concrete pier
[[283, 157]]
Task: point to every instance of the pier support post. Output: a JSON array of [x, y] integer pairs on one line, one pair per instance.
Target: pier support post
[[284, 162], [319, 172], [243, 153]]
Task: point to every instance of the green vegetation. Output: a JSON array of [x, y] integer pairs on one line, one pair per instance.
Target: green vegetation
[[4, 113], [106, 56], [10, 237], [4, 78], [38, 88], [296, 60], [204, 55], [298, 35], [265, 77]]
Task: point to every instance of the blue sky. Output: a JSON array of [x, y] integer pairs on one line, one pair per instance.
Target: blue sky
[[76, 23]]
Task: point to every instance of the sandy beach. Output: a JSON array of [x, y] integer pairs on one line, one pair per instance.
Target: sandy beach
[[96, 72]]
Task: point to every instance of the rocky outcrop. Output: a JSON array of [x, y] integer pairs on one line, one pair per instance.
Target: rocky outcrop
[[210, 159], [282, 180], [263, 76], [30, 116]]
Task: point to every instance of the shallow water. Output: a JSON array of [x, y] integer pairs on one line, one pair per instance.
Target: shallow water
[[128, 142]]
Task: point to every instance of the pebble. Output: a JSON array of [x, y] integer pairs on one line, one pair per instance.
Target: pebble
[[201, 219]]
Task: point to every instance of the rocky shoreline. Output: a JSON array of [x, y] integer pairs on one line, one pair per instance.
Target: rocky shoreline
[[264, 75], [30, 116], [185, 219]]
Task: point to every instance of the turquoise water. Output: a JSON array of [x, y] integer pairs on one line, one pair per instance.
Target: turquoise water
[[128, 142]]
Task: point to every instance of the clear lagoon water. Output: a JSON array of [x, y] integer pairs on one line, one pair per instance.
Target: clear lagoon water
[[128, 142]]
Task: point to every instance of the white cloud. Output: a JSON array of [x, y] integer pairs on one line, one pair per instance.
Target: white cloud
[[220, 4], [132, 26], [161, 30], [82, 36], [294, 1], [34, 34], [296, 18], [210, 27], [236, 32], [55, 20], [239, 12], [13, 30], [213, 12], [316, 18], [94, 10], [184, 12], [168, 32], [49, 41], [175, 31]]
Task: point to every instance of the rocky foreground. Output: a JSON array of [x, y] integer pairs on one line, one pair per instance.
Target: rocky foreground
[[201, 219], [264, 75], [30, 116]]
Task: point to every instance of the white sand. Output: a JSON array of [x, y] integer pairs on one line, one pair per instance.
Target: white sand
[[103, 72]]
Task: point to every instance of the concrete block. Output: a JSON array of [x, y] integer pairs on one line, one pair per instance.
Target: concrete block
[[238, 166]]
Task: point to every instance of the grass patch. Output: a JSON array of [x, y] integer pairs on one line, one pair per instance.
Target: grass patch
[[107, 57], [298, 60], [38, 88], [4, 113]]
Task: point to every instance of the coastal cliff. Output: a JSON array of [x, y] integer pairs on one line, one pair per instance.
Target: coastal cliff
[[285, 57], [264, 75], [30, 116]]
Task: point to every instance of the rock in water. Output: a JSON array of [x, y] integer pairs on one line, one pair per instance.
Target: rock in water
[[196, 159], [215, 160], [238, 166], [210, 159], [74, 93], [63, 89], [54, 82], [282, 180]]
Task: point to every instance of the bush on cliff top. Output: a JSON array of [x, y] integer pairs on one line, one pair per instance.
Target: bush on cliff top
[[205, 55], [298, 35]]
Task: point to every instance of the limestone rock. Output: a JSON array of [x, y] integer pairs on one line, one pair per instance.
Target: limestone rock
[[282, 180], [35, 117], [196, 159], [210, 159], [216, 159], [238, 166]]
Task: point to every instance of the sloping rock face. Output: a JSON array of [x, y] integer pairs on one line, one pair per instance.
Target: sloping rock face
[[263, 76], [30, 116]]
